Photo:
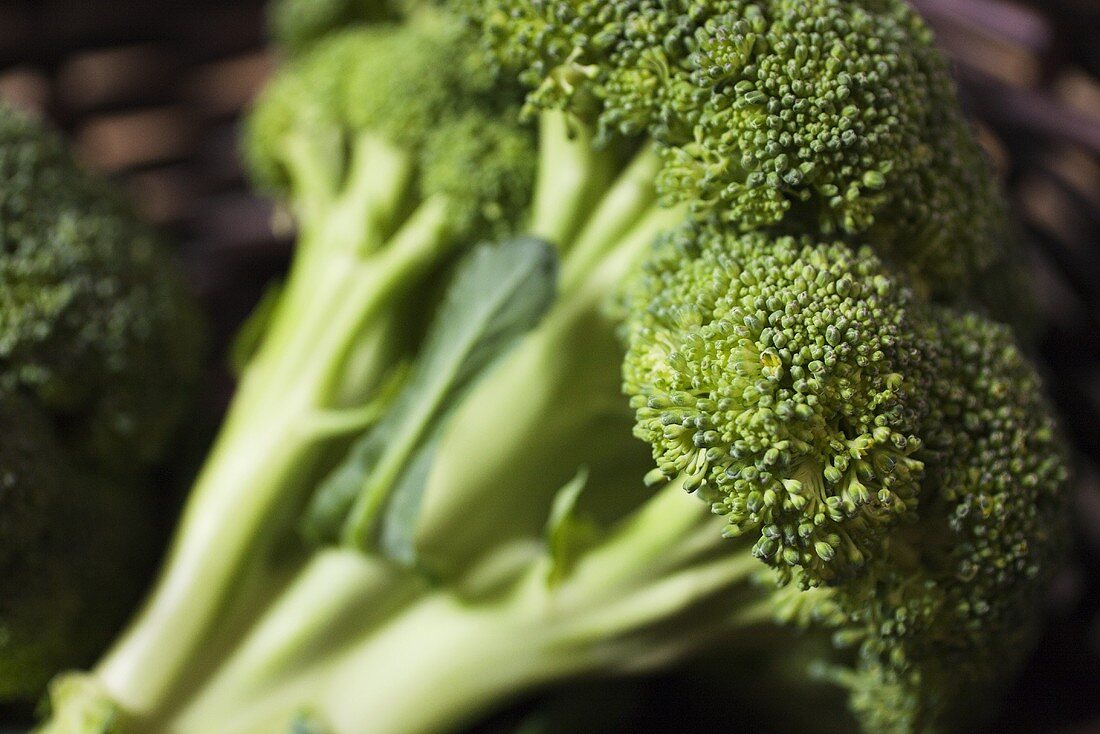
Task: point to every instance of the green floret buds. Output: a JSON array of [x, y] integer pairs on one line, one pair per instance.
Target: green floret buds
[[964, 579], [404, 100], [811, 105], [775, 376], [88, 302], [829, 116], [99, 352], [893, 458]]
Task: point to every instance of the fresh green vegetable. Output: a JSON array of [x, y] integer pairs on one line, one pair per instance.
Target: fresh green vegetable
[[392, 151], [806, 116], [382, 547], [295, 25], [98, 356], [895, 459]]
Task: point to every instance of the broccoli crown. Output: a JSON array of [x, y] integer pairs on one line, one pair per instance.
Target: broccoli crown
[[948, 613], [32, 480], [415, 86], [896, 459], [773, 374], [98, 352], [94, 320], [71, 547], [822, 115]]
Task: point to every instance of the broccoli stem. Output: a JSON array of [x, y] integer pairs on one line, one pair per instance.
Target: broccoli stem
[[335, 598], [294, 394], [545, 394], [275, 437], [629, 200], [573, 174], [445, 659]]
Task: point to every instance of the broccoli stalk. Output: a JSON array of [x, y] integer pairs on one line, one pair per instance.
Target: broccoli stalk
[[288, 410], [448, 656], [375, 188], [567, 367], [288, 413]]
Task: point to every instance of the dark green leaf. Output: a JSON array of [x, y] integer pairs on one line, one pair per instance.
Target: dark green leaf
[[373, 499]]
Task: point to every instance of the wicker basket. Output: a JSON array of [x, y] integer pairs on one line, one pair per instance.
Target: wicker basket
[[151, 91]]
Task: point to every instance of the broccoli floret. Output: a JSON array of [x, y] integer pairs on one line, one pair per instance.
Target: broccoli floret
[[88, 303], [832, 117], [399, 97], [99, 353], [992, 525], [777, 376], [295, 25], [896, 459]]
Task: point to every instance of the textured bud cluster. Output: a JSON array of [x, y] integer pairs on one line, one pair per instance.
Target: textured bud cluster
[[895, 459], [398, 84], [827, 116], [777, 375]]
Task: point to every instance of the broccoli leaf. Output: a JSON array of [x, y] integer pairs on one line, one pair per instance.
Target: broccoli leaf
[[568, 535], [372, 500]]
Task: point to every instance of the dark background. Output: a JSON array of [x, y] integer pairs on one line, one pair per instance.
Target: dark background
[[151, 91]]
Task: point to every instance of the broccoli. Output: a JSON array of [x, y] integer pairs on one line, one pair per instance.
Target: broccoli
[[295, 25], [99, 354], [833, 117], [753, 204], [894, 459], [944, 586], [367, 140]]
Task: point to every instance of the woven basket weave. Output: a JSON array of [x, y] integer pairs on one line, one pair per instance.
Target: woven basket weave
[[151, 91]]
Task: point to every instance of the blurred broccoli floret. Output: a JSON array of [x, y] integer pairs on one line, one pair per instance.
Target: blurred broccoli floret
[[297, 24], [99, 350], [383, 114]]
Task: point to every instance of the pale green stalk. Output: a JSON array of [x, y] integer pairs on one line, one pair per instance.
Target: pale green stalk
[[632, 603], [288, 406]]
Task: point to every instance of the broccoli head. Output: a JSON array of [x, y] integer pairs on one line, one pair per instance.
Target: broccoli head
[[94, 320], [98, 353], [948, 614], [834, 117], [895, 459], [415, 91], [774, 375]]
